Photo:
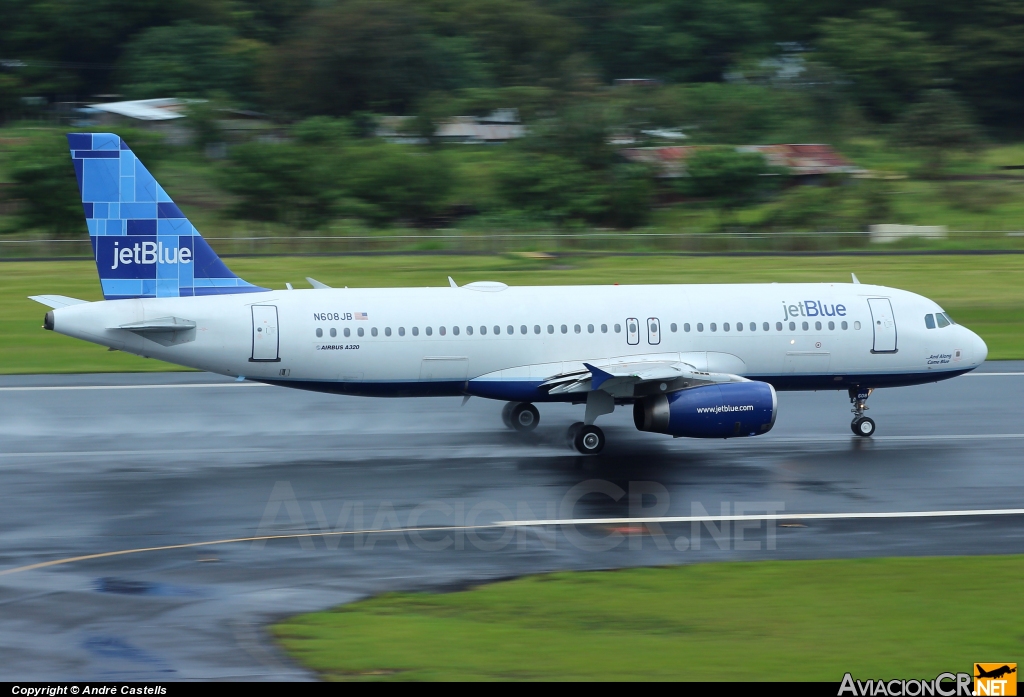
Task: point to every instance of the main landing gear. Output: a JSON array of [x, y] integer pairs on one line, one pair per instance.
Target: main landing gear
[[861, 425], [588, 440], [521, 416]]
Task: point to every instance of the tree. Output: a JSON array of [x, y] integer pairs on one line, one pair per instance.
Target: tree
[[938, 123], [358, 55], [887, 59], [44, 181], [726, 175]]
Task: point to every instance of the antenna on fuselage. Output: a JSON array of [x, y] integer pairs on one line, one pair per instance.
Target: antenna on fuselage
[[452, 283], [855, 279]]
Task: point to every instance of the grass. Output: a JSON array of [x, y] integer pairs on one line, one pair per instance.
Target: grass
[[798, 620], [986, 293]]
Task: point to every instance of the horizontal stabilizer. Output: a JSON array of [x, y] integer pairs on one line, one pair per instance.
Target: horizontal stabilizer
[[315, 283], [164, 324], [56, 301]]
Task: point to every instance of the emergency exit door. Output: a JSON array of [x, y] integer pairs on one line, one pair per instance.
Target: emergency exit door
[[265, 340], [884, 325], [632, 331]]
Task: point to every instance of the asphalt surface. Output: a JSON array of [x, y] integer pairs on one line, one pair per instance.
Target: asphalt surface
[[157, 460]]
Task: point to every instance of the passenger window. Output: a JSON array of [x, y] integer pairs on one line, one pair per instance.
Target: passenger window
[[455, 330], [319, 332], [929, 322], [469, 331], [686, 326], [778, 326], [415, 331], [483, 330], [845, 326], [590, 329], [387, 331], [401, 331], [565, 329], [672, 327], [373, 331], [360, 332], [739, 326], [856, 325], [831, 326], [618, 328], [576, 328], [753, 326], [522, 329], [817, 326], [536, 329], [804, 325], [604, 328], [348, 332], [700, 326], [334, 332], [714, 327], [442, 331], [792, 326], [725, 327], [429, 331], [765, 326], [551, 329], [943, 322]]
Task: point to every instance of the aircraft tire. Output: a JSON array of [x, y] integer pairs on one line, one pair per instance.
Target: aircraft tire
[[570, 433], [589, 440], [506, 414], [524, 417], [863, 427]]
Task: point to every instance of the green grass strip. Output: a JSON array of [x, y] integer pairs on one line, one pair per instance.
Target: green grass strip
[[797, 620], [986, 293]]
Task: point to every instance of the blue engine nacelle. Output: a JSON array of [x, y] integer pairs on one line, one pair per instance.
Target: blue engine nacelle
[[726, 410]]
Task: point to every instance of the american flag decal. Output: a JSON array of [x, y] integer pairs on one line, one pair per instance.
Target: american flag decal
[[362, 315]]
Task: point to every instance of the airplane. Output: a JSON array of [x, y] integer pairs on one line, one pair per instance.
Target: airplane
[[698, 361], [995, 673]]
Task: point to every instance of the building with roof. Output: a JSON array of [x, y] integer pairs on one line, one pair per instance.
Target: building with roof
[[807, 162]]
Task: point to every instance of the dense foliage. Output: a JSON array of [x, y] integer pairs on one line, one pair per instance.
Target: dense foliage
[[304, 57]]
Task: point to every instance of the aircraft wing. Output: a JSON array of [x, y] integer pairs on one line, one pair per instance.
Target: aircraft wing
[[627, 378]]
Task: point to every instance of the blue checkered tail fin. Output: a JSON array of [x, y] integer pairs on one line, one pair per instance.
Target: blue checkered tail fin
[[144, 245]]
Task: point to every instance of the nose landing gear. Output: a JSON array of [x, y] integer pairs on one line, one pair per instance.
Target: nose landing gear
[[861, 425]]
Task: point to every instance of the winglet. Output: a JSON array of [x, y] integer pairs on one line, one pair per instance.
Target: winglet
[[452, 283], [597, 376], [315, 283], [855, 279]]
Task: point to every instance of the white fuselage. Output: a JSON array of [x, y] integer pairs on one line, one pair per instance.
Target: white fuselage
[[401, 341]]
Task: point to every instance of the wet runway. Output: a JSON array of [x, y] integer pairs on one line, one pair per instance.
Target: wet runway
[[96, 464]]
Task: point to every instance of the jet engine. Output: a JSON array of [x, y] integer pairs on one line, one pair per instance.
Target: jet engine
[[725, 410]]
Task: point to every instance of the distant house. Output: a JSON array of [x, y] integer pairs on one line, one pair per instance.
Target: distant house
[[161, 115], [805, 162], [500, 126]]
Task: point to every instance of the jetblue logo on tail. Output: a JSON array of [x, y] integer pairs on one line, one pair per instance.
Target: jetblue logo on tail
[[144, 245], [148, 253]]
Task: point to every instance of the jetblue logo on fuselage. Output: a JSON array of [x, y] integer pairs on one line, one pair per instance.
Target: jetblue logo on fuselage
[[149, 253], [812, 308]]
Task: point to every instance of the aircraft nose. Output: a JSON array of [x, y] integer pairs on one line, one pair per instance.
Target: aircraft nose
[[979, 349]]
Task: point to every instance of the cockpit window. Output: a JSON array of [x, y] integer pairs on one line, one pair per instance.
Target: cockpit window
[[946, 315], [929, 321], [943, 322]]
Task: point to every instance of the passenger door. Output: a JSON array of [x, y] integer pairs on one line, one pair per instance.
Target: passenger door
[[884, 325], [265, 340]]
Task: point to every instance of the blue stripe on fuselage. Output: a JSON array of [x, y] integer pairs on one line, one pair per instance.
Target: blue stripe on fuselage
[[529, 390]]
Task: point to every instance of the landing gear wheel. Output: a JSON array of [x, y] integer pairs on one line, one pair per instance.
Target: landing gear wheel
[[506, 414], [524, 417], [570, 434], [863, 427], [589, 440]]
